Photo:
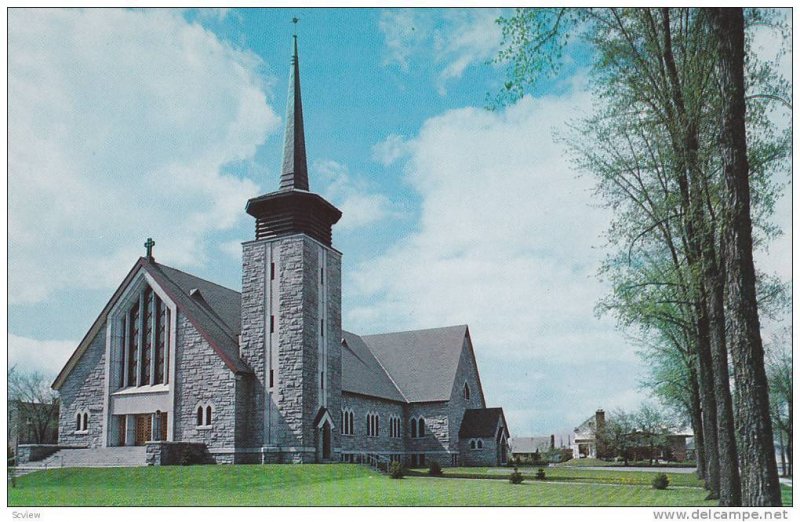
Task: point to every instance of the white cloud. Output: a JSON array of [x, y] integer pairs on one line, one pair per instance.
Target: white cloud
[[404, 32], [389, 150], [360, 205], [455, 41], [470, 37], [505, 239], [47, 357], [119, 125]]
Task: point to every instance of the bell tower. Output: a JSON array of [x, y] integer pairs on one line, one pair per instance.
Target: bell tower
[[291, 308]]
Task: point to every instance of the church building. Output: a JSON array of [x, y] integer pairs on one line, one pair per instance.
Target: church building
[[268, 375]]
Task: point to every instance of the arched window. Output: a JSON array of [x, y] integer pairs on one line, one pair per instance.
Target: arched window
[[82, 421], [347, 422], [472, 444], [480, 444], [413, 428], [352, 423], [466, 391], [421, 430], [199, 415], [208, 415]]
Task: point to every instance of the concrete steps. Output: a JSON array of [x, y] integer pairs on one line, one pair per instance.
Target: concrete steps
[[127, 456]]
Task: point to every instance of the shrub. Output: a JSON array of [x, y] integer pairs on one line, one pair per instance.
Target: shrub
[[396, 470], [660, 481], [434, 469], [540, 474], [515, 477]]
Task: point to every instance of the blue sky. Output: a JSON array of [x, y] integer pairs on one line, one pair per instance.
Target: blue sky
[[126, 124]]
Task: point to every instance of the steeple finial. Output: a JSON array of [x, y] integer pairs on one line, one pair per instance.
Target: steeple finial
[[294, 173]]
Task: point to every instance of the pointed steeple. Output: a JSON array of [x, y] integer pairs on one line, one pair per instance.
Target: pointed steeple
[[293, 208], [294, 173]]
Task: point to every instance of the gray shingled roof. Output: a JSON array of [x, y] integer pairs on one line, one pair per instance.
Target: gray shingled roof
[[415, 366], [226, 304], [481, 422], [529, 444], [362, 373], [421, 363]]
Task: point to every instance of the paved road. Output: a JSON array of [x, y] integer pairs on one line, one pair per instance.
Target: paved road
[[634, 468]]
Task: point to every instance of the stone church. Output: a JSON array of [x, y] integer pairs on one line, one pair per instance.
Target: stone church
[[268, 374]]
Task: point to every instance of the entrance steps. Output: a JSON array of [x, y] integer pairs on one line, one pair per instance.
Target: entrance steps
[[123, 456]]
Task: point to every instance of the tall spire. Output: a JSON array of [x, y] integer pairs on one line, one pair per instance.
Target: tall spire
[[294, 174]]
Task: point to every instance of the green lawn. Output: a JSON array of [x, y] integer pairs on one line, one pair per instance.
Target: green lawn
[[317, 485]]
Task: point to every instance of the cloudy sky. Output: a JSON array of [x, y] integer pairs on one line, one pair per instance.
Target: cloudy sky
[[129, 124]]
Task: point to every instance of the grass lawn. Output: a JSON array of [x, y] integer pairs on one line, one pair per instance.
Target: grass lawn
[[317, 485]]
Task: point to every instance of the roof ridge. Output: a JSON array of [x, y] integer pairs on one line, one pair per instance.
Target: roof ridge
[[203, 305], [417, 331]]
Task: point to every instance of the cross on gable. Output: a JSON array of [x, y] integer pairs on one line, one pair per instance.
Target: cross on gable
[[149, 244]]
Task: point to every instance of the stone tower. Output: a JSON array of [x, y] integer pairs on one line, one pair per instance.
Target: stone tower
[[291, 309]]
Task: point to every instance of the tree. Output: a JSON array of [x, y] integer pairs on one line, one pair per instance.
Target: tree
[[779, 373], [32, 406], [759, 471], [654, 147], [615, 437]]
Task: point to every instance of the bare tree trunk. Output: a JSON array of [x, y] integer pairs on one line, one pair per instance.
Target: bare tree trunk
[[730, 489], [759, 469], [697, 425], [708, 402]]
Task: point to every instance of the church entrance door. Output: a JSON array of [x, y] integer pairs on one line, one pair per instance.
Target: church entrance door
[[144, 428], [326, 441]]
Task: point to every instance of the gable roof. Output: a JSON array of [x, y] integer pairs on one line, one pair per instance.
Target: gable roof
[[413, 366], [362, 373], [481, 422], [529, 444], [421, 363], [213, 318]]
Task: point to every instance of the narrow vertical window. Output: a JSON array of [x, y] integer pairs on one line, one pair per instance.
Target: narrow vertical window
[[133, 343], [208, 415], [199, 415], [413, 428], [272, 271], [85, 422], [78, 422], [322, 327], [147, 338], [271, 324], [322, 380], [421, 430], [321, 276], [271, 378], [466, 391]]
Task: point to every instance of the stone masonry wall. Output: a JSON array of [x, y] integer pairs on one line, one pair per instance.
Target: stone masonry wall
[[333, 334], [437, 427], [480, 457], [292, 356], [253, 330], [467, 372], [83, 388], [359, 441], [202, 377]]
